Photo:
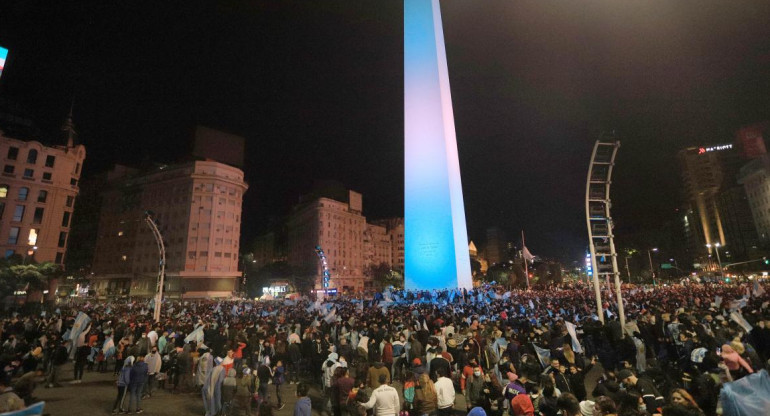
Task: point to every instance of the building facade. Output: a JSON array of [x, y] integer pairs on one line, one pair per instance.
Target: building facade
[[197, 207], [38, 188], [338, 228]]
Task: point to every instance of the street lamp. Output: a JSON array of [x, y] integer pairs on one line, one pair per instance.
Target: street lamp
[[652, 271], [716, 248]]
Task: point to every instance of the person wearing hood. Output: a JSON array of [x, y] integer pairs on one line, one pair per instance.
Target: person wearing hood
[[302, 406], [212, 389], [154, 362], [124, 379], [373, 375], [327, 369], [136, 385], [205, 363], [229, 389]]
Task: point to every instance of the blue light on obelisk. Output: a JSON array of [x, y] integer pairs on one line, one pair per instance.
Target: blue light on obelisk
[[436, 239]]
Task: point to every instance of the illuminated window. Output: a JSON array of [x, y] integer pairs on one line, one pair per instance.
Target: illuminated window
[[3, 191], [120, 233], [32, 239], [124, 257]]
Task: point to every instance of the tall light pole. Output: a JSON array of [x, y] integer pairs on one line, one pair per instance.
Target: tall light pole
[[652, 271], [719, 261], [628, 270], [161, 264]]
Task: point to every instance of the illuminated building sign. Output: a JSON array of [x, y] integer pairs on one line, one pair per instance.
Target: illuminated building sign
[[589, 269], [702, 150], [435, 237]]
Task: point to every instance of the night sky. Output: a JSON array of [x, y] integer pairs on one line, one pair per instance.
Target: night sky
[[316, 88]]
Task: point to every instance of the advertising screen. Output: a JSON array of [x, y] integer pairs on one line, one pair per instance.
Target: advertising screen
[[3, 57]]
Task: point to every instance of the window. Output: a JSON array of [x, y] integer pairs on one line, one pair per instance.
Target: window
[[77, 168], [8, 169], [3, 191], [49, 161], [73, 182], [191, 255], [62, 239], [38, 217], [9, 253], [29, 173], [13, 235], [59, 258], [13, 153], [42, 196], [46, 176], [65, 222], [18, 214], [32, 156], [217, 254], [32, 238], [204, 254], [2, 208], [70, 201], [23, 192]]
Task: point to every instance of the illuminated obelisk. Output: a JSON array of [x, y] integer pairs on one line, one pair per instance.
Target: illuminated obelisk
[[436, 239]]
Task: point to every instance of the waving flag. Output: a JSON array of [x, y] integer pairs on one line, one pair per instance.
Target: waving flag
[[81, 324], [196, 335], [527, 255], [543, 355], [573, 334]]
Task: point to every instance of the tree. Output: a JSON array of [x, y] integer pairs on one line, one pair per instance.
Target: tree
[[383, 276]]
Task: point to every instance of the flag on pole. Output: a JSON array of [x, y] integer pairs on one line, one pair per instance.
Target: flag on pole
[[196, 335], [527, 255], [331, 316]]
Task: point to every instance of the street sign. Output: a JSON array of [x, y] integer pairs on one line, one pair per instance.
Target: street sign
[[666, 266]]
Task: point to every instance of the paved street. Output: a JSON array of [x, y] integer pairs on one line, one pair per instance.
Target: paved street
[[96, 394]]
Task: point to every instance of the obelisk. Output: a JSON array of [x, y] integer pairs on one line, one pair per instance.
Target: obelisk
[[436, 238]]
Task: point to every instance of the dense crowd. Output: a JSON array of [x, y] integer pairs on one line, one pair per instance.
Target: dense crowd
[[683, 351]]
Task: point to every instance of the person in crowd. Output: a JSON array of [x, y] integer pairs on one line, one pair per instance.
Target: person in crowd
[[681, 397], [136, 384], [384, 399], [154, 363], [9, 400], [303, 406], [445, 393]]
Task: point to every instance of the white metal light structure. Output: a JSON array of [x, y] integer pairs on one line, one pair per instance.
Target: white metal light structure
[[435, 235], [719, 260], [161, 267], [604, 258]]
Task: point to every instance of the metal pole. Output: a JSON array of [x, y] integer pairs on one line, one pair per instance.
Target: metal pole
[[652, 272], [597, 290], [721, 272], [162, 269], [628, 271]]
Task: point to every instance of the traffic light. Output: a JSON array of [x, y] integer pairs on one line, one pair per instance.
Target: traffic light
[[767, 261]]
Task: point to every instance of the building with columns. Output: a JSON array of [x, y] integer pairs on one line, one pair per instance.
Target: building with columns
[[197, 206]]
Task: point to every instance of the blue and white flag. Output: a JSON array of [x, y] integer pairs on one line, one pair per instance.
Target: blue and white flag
[[331, 316], [33, 410], [543, 355], [81, 324], [196, 335], [571, 328]]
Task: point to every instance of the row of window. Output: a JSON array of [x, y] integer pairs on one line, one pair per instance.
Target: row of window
[[42, 195], [13, 154], [32, 237], [37, 218], [59, 255]]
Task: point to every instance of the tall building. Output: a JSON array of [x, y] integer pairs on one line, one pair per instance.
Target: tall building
[[706, 173], [496, 249], [755, 177], [38, 188], [197, 206], [394, 227], [338, 227]]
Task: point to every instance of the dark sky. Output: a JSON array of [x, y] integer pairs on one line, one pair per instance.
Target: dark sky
[[317, 90]]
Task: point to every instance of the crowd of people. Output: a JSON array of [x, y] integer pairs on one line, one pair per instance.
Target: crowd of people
[[683, 350]]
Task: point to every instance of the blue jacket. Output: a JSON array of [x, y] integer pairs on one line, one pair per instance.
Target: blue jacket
[[125, 377], [302, 407], [138, 373]]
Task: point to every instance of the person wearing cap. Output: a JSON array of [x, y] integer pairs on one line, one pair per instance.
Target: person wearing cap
[[384, 399], [643, 387]]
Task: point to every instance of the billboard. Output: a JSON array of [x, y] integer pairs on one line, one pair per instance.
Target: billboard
[[3, 58], [750, 141]]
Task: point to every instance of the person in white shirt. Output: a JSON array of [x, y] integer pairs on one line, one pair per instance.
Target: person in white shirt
[[384, 399], [445, 390]]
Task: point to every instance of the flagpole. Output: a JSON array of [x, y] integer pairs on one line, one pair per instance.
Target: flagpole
[[526, 266]]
